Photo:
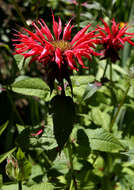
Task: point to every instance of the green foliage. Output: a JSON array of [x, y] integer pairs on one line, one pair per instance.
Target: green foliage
[[102, 140], [42, 186], [5, 155], [81, 141], [63, 117], [31, 87], [19, 60], [90, 90], [3, 127], [13, 187], [1, 181], [23, 165]]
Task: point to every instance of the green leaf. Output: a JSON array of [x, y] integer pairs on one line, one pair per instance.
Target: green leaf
[[5, 155], [79, 84], [129, 153], [31, 87], [20, 60], [63, 118], [42, 186], [100, 118], [91, 89], [82, 80], [24, 166], [3, 127], [102, 140], [13, 187]]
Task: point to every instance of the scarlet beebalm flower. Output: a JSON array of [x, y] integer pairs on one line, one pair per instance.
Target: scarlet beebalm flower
[[42, 46], [113, 39]]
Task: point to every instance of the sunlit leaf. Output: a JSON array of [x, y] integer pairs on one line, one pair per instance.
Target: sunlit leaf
[[13, 187], [102, 140], [42, 186], [91, 89], [31, 87]]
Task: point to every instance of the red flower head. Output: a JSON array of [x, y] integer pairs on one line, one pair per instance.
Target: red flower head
[[54, 51], [113, 39]]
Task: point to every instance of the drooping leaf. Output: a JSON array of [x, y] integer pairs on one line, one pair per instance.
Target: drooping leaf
[[31, 87], [3, 127], [63, 117], [5, 155], [102, 140], [42, 186]]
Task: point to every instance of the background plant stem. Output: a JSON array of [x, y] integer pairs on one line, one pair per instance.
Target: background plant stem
[[78, 13], [19, 185], [19, 13], [73, 180], [119, 108]]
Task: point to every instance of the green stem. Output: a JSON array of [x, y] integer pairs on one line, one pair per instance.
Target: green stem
[[78, 13], [106, 182], [105, 69], [119, 108], [19, 13], [19, 185], [110, 64], [37, 9], [63, 88], [73, 180]]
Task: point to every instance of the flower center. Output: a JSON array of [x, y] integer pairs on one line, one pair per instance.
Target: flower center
[[63, 45]]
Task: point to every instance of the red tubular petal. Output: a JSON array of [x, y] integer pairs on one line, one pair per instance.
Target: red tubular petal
[[34, 36], [59, 28], [38, 31], [102, 33], [85, 38], [67, 31], [70, 60], [130, 42], [80, 34], [58, 57], [43, 53], [80, 61], [55, 28], [30, 53], [38, 133], [113, 26], [107, 29], [45, 30]]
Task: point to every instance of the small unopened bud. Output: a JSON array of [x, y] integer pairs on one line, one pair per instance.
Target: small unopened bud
[[12, 169]]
